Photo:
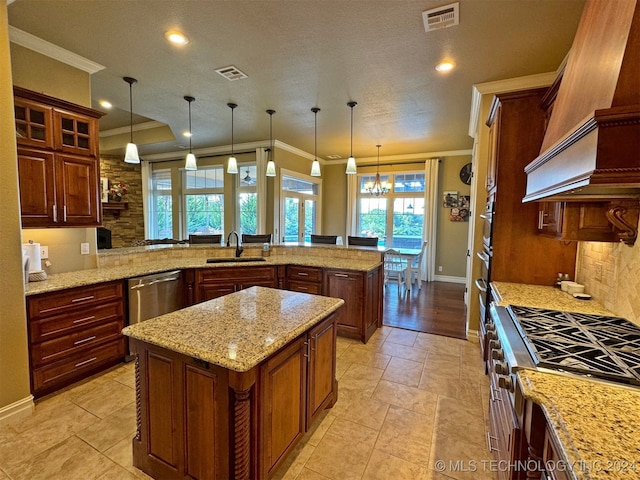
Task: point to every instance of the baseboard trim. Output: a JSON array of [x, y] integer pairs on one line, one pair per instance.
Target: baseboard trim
[[19, 409], [446, 278]]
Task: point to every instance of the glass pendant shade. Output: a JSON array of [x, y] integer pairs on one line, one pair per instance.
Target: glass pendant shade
[[351, 163], [232, 165], [271, 168], [351, 166], [190, 162], [131, 155], [315, 168]]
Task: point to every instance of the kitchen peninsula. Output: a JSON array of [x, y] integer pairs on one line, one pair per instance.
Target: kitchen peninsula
[[226, 388]]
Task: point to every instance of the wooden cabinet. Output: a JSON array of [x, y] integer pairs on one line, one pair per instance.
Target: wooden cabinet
[[216, 282], [517, 123], [362, 298], [58, 164], [202, 421], [595, 221], [74, 333], [304, 279], [555, 466]]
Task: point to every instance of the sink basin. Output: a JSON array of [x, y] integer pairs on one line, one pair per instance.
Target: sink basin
[[236, 260]]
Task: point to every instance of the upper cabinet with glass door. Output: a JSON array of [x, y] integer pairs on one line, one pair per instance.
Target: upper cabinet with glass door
[[53, 124]]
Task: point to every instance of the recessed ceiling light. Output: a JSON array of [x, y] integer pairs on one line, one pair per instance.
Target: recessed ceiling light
[[176, 37], [186, 133], [105, 104], [445, 66]]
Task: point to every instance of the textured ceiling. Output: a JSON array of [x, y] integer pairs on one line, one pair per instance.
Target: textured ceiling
[[299, 54]]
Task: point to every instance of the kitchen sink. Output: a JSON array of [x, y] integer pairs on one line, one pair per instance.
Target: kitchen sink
[[236, 260]]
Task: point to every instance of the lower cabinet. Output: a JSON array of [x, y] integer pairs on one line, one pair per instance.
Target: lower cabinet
[[201, 421], [215, 282], [74, 333]]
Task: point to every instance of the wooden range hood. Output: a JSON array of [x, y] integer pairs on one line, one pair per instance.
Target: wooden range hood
[[591, 148]]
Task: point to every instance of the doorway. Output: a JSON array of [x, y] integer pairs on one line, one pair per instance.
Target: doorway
[[300, 215]]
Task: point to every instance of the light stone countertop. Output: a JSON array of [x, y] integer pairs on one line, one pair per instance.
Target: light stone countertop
[[92, 276], [239, 330], [596, 422]]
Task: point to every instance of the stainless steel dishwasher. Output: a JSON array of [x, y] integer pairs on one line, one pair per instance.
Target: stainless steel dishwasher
[[154, 295]]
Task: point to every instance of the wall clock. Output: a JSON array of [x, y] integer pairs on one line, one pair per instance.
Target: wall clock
[[465, 174]]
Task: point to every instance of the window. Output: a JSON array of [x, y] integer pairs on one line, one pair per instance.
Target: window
[[300, 208], [396, 218], [204, 200], [161, 224], [247, 199]]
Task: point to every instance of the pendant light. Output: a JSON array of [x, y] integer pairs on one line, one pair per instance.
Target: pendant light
[[377, 188], [232, 165], [351, 163], [315, 166], [271, 164], [131, 154], [190, 161]]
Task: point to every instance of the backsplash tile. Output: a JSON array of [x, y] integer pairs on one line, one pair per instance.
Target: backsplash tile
[[619, 288]]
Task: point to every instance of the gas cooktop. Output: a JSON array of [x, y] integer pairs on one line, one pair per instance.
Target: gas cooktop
[[593, 345]]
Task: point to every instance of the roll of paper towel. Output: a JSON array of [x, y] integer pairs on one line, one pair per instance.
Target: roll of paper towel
[[33, 252]]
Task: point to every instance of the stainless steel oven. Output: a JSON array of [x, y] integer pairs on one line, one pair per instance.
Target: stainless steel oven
[[482, 283]]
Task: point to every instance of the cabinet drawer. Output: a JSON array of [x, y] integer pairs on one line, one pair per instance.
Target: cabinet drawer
[[55, 375], [307, 274], [54, 326], [56, 302], [237, 274], [305, 287], [58, 348]]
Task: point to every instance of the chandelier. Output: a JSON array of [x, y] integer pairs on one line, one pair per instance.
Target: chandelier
[[377, 188]]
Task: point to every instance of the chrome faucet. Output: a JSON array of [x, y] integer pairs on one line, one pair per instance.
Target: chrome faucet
[[239, 249]]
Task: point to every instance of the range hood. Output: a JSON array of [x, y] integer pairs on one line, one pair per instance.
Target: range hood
[[591, 148]]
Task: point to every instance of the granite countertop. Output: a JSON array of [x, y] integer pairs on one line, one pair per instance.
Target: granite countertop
[[61, 281], [596, 423], [239, 330]]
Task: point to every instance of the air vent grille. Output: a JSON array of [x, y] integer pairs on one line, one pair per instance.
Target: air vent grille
[[334, 156], [441, 17], [231, 73]]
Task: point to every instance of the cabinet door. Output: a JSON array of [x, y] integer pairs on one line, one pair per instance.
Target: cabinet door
[[34, 124], [550, 218], [283, 391], [208, 291], [77, 181], [322, 368], [75, 133], [37, 188], [348, 286]]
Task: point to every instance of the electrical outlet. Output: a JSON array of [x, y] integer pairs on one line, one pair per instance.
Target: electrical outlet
[[598, 272], [84, 249], [44, 252], [439, 268]]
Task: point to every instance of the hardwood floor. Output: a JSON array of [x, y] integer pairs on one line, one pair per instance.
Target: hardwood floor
[[437, 308]]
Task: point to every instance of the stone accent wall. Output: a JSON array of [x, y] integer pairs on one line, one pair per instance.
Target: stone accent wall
[[619, 287], [130, 226]]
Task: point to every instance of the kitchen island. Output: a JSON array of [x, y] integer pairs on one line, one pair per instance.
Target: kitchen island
[[226, 388]]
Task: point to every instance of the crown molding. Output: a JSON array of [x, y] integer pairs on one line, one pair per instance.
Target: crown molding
[[417, 157], [50, 50], [502, 86]]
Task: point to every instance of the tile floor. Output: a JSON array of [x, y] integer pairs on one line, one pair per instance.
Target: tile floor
[[407, 402]]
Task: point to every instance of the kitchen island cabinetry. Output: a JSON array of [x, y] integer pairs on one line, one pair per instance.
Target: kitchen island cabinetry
[[233, 407], [74, 333], [304, 279], [58, 163]]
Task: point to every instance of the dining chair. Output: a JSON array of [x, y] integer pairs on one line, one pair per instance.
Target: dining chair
[[416, 266], [395, 266], [261, 238], [362, 241], [326, 239], [210, 239]]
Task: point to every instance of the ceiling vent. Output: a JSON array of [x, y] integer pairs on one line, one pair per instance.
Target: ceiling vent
[[231, 73], [334, 156], [441, 17]]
